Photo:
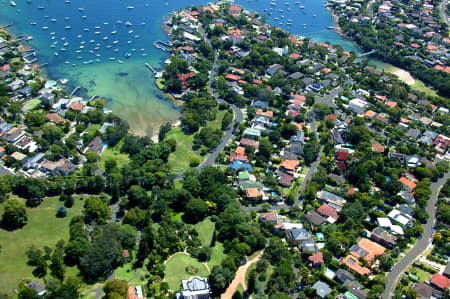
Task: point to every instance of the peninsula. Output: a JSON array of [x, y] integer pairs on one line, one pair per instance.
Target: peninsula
[[298, 170]]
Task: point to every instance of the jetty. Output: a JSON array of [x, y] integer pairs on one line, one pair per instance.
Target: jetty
[[42, 65], [150, 68], [74, 91], [92, 98], [165, 46], [5, 26]]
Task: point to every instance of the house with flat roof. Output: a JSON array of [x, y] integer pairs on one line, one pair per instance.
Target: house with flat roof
[[194, 288], [322, 289], [333, 200]]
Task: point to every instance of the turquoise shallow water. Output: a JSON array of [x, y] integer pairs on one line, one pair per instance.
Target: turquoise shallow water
[[98, 32]]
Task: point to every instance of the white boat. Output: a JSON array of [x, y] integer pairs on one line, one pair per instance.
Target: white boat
[[81, 9], [115, 42], [114, 32], [12, 3], [97, 32], [115, 50], [130, 7], [79, 36], [74, 64], [86, 29], [56, 53], [120, 61], [106, 23], [81, 47], [63, 49], [97, 27], [52, 46], [129, 42], [33, 23], [92, 41], [92, 52], [52, 37], [128, 23], [66, 62], [108, 46], [66, 44], [67, 18], [68, 27], [105, 38], [63, 38], [96, 59], [111, 58], [144, 54], [84, 17], [131, 31], [67, 1], [78, 51], [82, 42], [96, 48], [136, 36], [45, 27], [41, 7], [301, 7], [53, 20]]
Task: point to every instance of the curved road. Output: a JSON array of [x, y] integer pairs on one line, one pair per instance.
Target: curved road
[[421, 244], [444, 16], [238, 117]]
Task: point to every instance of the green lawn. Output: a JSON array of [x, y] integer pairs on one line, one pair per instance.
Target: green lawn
[[179, 160], [420, 86], [43, 228], [92, 129], [176, 270], [205, 231], [217, 123], [30, 105], [127, 273], [423, 276], [177, 216], [217, 255], [114, 152]]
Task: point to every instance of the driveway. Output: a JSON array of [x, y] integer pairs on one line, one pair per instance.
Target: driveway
[[421, 244]]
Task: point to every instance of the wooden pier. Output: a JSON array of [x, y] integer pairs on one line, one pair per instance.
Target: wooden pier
[[150, 68], [42, 65], [5, 26], [74, 91], [92, 98]]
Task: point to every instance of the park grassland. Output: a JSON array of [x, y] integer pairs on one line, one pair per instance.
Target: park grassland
[[420, 86], [43, 229], [114, 153], [176, 270], [183, 155], [205, 231]]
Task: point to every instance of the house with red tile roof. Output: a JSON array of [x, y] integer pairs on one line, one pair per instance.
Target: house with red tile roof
[[407, 184], [380, 98], [234, 9], [77, 106], [267, 113], [382, 118], [253, 194], [343, 156], [294, 56], [376, 147], [55, 118], [269, 217], [353, 264], [232, 77], [316, 260], [370, 114], [391, 104], [331, 116], [327, 211], [289, 166], [249, 142], [440, 281]]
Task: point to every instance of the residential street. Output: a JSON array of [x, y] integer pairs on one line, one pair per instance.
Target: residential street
[[421, 244]]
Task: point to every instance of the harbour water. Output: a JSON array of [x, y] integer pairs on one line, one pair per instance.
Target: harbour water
[[102, 45]]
